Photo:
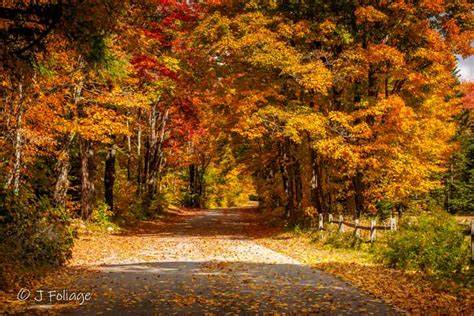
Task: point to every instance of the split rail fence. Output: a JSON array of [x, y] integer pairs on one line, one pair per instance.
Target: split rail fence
[[342, 224]]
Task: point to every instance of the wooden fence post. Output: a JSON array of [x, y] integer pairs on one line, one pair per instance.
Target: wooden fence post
[[393, 223], [341, 224], [372, 230], [321, 224], [357, 229]]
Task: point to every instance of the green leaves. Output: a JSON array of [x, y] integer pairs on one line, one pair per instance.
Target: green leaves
[[431, 243]]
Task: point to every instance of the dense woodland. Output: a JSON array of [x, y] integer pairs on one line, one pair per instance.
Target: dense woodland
[[120, 108]]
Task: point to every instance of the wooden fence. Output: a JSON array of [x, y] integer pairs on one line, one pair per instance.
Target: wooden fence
[[392, 225], [342, 224]]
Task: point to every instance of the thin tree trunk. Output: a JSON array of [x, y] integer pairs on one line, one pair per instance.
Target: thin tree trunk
[[150, 145], [284, 177], [359, 194], [205, 161], [146, 165], [64, 163], [87, 178], [298, 188], [295, 186], [109, 177], [197, 186], [159, 161], [155, 158], [129, 154], [315, 182], [139, 162], [196, 182], [63, 168], [149, 148], [291, 182], [14, 177], [192, 185]]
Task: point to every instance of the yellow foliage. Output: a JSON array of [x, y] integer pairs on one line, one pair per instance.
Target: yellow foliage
[[369, 14]]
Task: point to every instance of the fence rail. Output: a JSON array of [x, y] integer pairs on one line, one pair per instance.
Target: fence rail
[[469, 230], [357, 226]]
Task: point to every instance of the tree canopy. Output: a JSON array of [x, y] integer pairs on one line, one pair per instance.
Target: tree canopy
[[310, 107]]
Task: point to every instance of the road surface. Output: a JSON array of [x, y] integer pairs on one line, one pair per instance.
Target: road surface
[[207, 263]]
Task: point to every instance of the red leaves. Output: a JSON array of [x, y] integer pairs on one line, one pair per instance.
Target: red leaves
[[155, 35], [145, 67], [142, 61], [172, 11], [159, 62], [167, 72], [149, 69], [181, 16], [164, 32], [185, 121]]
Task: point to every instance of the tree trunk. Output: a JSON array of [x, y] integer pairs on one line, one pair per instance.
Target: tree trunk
[[359, 194], [200, 180], [64, 163], [295, 192], [192, 189], [109, 177], [87, 178], [129, 154], [63, 168], [139, 163], [315, 182], [291, 180], [150, 145], [285, 178], [196, 181], [155, 154], [14, 177], [298, 189], [62, 183], [146, 165]]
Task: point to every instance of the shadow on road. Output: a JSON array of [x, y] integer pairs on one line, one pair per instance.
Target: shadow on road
[[234, 223]]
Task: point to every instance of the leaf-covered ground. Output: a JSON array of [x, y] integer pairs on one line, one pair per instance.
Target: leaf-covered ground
[[199, 261], [411, 292]]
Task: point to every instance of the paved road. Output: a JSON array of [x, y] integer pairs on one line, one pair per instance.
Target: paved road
[[206, 264]]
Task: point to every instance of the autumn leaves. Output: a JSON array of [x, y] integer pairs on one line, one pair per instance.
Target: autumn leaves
[[347, 106]]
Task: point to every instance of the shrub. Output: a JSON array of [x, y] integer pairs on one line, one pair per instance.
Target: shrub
[[102, 215], [33, 234], [431, 243], [346, 240], [332, 238], [384, 209]]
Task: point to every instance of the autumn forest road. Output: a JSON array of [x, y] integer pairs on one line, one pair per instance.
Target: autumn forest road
[[206, 263]]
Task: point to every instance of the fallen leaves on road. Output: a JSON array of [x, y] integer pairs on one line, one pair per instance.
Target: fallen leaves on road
[[224, 267]]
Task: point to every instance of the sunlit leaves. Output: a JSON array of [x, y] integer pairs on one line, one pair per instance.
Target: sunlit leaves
[[367, 89], [370, 15]]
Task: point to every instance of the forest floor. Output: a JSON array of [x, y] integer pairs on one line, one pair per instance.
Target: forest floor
[[196, 261]]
